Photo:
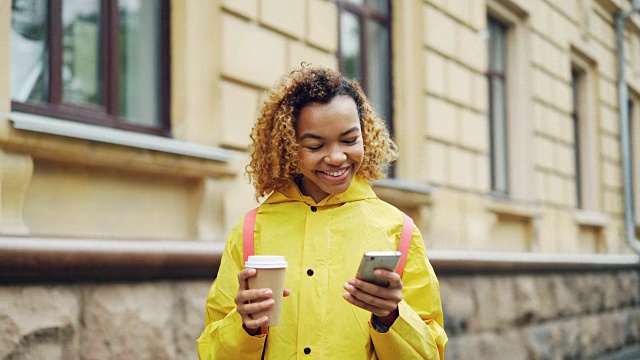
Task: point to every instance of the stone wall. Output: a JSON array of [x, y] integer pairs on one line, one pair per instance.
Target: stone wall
[[535, 316], [159, 320], [541, 316]]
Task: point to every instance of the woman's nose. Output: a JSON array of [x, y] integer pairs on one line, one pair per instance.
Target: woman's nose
[[335, 157]]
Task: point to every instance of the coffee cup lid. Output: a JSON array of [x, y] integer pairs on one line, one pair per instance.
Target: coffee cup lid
[[266, 262]]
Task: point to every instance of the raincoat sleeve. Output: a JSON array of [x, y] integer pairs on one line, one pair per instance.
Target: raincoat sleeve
[[223, 336], [418, 333]]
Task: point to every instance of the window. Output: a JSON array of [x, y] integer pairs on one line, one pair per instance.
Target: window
[[97, 61], [634, 155], [365, 50], [585, 130], [576, 80], [497, 80]]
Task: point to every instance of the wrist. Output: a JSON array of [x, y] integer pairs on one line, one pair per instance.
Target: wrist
[[252, 332], [387, 320]]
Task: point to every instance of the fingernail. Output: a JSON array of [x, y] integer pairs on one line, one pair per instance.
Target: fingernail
[[345, 296], [352, 281], [348, 287], [268, 292], [378, 272]]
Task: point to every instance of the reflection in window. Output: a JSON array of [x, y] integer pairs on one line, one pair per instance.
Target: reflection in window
[[496, 76], [81, 55], [96, 61], [365, 50], [29, 50]]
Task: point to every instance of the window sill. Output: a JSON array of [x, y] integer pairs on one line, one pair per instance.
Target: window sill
[[54, 126], [115, 148], [515, 210], [403, 193], [588, 218]]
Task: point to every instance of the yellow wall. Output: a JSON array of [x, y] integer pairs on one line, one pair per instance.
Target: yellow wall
[[226, 53]]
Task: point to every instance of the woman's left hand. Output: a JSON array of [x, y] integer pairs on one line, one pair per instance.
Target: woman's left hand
[[381, 301]]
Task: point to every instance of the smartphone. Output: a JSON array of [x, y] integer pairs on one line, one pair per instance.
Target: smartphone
[[387, 260]]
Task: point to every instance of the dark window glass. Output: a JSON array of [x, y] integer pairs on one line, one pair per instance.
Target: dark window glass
[[496, 79], [365, 50], [96, 61], [576, 80]]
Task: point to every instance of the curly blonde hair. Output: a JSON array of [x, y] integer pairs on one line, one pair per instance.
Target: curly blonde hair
[[274, 149]]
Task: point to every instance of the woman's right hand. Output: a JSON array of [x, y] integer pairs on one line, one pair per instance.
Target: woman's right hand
[[249, 301]]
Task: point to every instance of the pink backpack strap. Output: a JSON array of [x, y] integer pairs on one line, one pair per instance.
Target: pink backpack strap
[[247, 233], [405, 242]]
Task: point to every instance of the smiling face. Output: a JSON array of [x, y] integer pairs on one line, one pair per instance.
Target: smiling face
[[331, 147]]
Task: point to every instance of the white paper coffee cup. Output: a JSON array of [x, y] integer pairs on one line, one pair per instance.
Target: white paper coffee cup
[[270, 274]]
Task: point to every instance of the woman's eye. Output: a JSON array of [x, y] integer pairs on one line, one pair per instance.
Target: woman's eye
[[314, 148], [351, 141]]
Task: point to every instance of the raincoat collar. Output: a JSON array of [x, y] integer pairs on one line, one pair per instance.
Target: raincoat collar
[[359, 189]]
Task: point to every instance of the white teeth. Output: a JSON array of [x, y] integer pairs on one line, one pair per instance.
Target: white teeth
[[335, 173]]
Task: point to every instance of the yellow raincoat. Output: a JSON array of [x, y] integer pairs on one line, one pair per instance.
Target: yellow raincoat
[[323, 244]]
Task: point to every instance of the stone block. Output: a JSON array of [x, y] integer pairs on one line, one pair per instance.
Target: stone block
[[285, 16], [474, 132], [322, 24], [435, 73], [189, 316], [543, 152], [462, 168], [122, 321], [460, 10], [458, 303], [613, 330], [543, 340], [440, 34], [612, 202], [246, 8], [570, 339], [459, 84], [482, 173], [611, 174], [479, 93], [632, 331], [609, 121], [239, 111], [565, 298], [542, 86], [478, 15], [442, 119], [446, 230], [564, 159], [39, 322], [608, 92], [472, 49], [438, 162], [252, 54], [629, 282], [300, 52], [489, 345], [496, 307], [592, 337]]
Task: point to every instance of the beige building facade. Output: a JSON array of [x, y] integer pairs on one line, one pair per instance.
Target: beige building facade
[[558, 189]]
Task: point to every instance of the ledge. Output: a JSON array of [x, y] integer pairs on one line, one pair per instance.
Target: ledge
[[589, 218], [70, 260], [43, 124], [452, 262], [403, 192], [55, 260], [512, 209]]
